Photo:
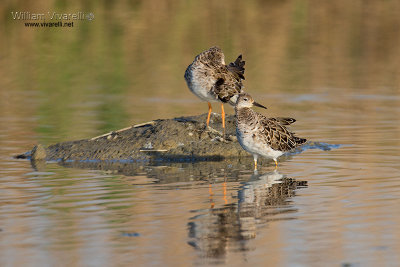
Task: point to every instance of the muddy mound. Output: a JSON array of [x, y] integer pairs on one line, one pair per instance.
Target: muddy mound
[[178, 139]]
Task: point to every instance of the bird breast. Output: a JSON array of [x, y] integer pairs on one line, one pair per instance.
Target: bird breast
[[200, 82]]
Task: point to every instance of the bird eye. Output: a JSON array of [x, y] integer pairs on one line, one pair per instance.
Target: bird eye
[[245, 99]]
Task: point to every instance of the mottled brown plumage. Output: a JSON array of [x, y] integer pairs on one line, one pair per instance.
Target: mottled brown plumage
[[262, 136]]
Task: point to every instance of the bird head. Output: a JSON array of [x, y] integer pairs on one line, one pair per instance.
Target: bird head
[[246, 101]]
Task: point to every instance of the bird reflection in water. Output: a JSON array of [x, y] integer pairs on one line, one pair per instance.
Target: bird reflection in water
[[211, 193], [261, 199]]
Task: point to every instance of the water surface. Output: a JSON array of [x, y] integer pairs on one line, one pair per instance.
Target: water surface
[[321, 64]]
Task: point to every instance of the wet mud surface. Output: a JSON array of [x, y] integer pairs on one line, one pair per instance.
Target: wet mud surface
[[183, 138]]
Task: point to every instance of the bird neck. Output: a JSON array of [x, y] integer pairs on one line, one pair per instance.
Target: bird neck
[[244, 112]]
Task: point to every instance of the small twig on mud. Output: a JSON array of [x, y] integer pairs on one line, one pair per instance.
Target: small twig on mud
[[103, 135], [123, 129], [143, 124], [153, 150]]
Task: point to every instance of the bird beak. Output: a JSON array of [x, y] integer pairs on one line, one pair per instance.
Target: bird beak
[[258, 105]]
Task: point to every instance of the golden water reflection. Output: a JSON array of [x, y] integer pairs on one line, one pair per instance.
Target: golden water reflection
[[235, 204]]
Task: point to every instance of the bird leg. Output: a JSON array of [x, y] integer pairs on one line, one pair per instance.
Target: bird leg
[[276, 164], [224, 188], [223, 118], [255, 163], [209, 113], [211, 196]]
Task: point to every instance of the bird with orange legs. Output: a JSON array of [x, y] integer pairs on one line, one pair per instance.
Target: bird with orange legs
[[211, 80]]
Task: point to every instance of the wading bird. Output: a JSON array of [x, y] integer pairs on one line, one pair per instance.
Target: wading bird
[[211, 80], [261, 136]]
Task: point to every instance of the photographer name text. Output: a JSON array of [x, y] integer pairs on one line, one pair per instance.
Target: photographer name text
[[51, 15]]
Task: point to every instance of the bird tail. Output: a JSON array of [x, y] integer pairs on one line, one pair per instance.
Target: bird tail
[[237, 67], [300, 141]]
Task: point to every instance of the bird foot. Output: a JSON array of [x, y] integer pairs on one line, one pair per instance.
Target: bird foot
[[215, 135], [212, 131]]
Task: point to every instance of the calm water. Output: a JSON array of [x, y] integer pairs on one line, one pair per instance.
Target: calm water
[[332, 66]]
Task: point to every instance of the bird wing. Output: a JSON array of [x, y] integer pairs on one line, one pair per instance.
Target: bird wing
[[283, 121], [229, 80], [237, 68], [277, 136]]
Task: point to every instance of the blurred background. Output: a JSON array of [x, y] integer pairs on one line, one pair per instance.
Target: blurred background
[[127, 65], [332, 65]]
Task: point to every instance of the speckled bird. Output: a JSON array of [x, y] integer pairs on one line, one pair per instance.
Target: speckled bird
[[211, 80], [261, 136]]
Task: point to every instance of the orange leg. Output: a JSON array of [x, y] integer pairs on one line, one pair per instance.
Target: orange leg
[[211, 196], [209, 113], [276, 164], [223, 118], [224, 188]]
